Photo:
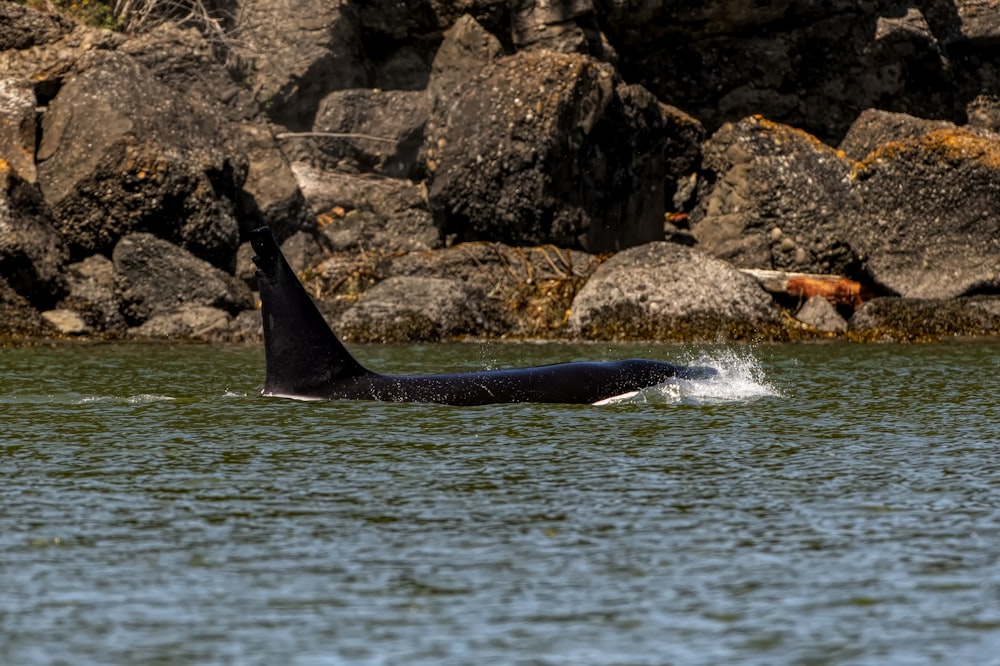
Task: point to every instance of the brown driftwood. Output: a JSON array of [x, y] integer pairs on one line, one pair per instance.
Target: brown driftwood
[[834, 288]]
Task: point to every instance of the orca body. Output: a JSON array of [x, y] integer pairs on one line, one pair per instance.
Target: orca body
[[306, 361]]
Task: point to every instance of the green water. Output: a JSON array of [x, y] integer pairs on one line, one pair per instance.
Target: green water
[[814, 504]]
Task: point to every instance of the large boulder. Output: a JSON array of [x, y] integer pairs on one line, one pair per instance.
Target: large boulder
[[32, 254], [875, 127], [156, 278], [378, 131], [45, 48], [774, 197], [552, 148], [92, 293], [182, 59], [672, 292], [297, 52], [366, 212], [929, 221], [535, 285], [404, 309], [121, 152]]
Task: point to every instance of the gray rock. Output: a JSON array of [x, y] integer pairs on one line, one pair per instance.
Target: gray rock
[[917, 320], [185, 61], [821, 315], [141, 158], [381, 130], [814, 65], [404, 309], [298, 52], [875, 127], [92, 292], [188, 321], [158, 278], [17, 131], [774, 197], [67, 322], [669, 291], [929, 221], [551, 148], [25, 27], [32, 254], [390, 214]]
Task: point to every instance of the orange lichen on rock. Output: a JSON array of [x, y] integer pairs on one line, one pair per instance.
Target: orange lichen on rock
[[949, 146], [798, 134]]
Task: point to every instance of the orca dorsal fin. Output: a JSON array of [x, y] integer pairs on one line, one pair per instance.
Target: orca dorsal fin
[[302, 353]]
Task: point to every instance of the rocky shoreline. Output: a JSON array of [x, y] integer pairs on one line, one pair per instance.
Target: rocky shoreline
[[507, 170]]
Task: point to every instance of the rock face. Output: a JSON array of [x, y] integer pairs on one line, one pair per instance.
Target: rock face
[[810, 65], [774, 197], [157, 278], [548, 147], [917, 217], [298, 53], [914, 320], [440, 169], [930, 222], [17, 113], [413, 308], [121, 153], [32, 254], [364, 213], [668, 291]]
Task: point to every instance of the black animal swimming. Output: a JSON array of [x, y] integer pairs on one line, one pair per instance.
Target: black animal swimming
[[306, 361]]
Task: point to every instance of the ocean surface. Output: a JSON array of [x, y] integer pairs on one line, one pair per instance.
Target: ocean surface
[[813, 504]]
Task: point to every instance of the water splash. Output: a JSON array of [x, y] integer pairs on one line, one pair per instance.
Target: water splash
[[740, 378]]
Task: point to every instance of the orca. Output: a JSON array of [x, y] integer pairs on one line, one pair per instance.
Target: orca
[[305, 360]]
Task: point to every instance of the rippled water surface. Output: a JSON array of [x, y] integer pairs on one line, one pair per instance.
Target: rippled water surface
[[813, 504]]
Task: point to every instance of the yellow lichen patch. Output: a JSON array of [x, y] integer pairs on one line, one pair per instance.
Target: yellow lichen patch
[[948, 146], [795, 133], [959, 145]]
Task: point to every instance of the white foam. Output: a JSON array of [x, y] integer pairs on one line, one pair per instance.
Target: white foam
[[740, 378]]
